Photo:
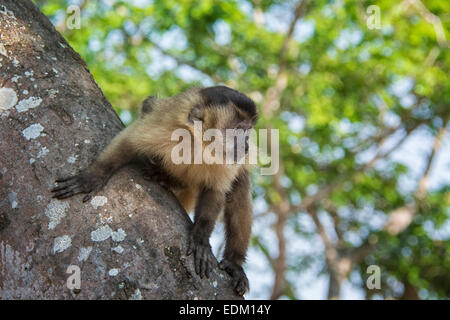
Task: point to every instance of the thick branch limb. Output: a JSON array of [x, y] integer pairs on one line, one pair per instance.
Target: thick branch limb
[[402, 217]]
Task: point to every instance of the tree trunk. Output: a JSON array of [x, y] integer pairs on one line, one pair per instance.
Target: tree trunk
[[129, 241]]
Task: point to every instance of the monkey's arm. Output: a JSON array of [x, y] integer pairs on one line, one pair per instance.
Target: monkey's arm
[[238, 223], [209, 204], [117, 154]]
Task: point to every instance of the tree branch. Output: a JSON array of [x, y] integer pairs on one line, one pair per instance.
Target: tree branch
[[432, 19], [273, 94], [281, 209], [181, 61], [402, 217], [327, 190]]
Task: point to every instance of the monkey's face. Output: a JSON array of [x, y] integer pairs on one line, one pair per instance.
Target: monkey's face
[[226, 130], [238, 136]]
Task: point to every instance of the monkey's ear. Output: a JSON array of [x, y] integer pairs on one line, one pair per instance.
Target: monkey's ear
[[196, 114], [147, 105]]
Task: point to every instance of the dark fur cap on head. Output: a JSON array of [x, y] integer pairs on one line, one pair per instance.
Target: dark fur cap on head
[[220, 95]]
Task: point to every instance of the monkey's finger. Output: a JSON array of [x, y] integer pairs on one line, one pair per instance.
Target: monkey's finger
[[202, 264], [62, 186], [87, 197], [208, 263], [200, 272], [58, 188], [164, 184], [92, 191], [190, 248], [63, 194], [67, 192], [208, 268], [237, 284], [56, 197], [241, 286], [224, 265], [205, 267], [77, 190], [148, 175], [228, 269], [66, 188], [197, 263]]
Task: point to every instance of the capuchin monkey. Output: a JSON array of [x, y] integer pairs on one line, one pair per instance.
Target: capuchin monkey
[[208, 189]]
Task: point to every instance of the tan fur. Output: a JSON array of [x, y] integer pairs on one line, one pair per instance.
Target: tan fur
[[151, 135], [205, 188]]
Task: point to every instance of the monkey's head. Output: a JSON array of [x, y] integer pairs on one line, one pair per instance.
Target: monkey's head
[[229, 112]]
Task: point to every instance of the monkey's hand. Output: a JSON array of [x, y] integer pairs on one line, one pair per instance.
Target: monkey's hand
[[84, 182], [240, 281], [203, 257]]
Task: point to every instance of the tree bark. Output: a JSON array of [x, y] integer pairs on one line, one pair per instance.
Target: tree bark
[[130, 240]]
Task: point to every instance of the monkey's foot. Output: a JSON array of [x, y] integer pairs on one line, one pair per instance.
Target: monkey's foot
[[203, 257], [80, 183], [240, 281]]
